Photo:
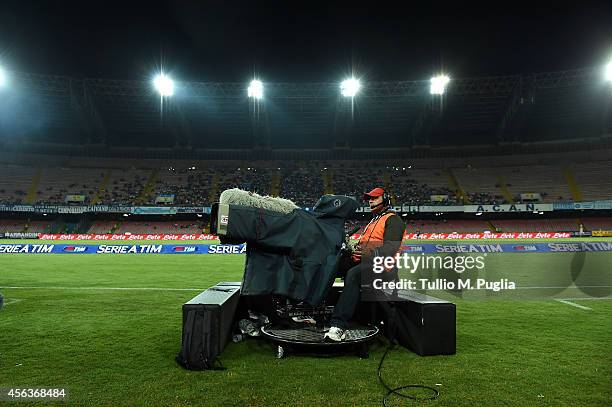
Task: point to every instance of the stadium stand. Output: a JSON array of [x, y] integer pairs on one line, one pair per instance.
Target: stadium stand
[[124, 186], [594, 180], [56, 183], [39, 226], [17, 226], [160, 227], [350, 224], [544, 225], [597, 223], [415, 186], [352, 181], [14, 183], [189, 186], [304, 182], [11, 226], [447, 226], [412, 226], [102, 227], [248, 178], [546, 180], [481, 184], [299, 185]]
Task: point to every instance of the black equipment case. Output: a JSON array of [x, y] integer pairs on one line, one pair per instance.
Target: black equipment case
[[207, 325], [424, 324]]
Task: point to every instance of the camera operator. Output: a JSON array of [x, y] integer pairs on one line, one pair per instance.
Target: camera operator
[[382, 237]]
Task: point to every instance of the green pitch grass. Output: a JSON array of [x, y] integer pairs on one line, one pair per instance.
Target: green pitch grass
[[112, 347]]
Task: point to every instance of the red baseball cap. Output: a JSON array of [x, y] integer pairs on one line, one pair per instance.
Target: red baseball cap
[[375, 193]]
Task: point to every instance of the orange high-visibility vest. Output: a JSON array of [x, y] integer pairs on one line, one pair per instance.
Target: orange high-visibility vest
[[375, 231], [373, 236]]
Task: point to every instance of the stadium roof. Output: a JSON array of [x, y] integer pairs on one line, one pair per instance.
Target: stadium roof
[[546, 106], [301, 56]]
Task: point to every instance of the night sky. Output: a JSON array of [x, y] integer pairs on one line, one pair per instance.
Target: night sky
[[295, 41]]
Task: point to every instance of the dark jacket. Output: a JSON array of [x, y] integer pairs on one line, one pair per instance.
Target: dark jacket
[[295, 254]]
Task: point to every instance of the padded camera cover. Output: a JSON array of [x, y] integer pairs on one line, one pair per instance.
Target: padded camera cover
[[293, 254]]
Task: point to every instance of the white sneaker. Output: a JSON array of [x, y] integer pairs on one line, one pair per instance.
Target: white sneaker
[[305, 319], [335, 334]]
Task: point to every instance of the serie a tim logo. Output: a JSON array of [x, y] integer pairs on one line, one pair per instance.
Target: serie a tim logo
[[185, 249], [75, 249]]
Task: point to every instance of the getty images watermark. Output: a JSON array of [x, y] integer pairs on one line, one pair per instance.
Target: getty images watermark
[[480, 273], [413, 263], [465, 275]]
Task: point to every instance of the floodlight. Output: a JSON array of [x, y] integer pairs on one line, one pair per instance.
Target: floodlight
[[164, 85], [438, 84], [350, 87], [255, 89], [2, 77], [609, 71]]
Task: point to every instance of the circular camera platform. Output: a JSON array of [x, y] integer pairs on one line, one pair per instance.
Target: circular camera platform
[[312, 338]]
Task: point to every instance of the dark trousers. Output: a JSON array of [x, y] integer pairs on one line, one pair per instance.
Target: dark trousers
[[349, 298]]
